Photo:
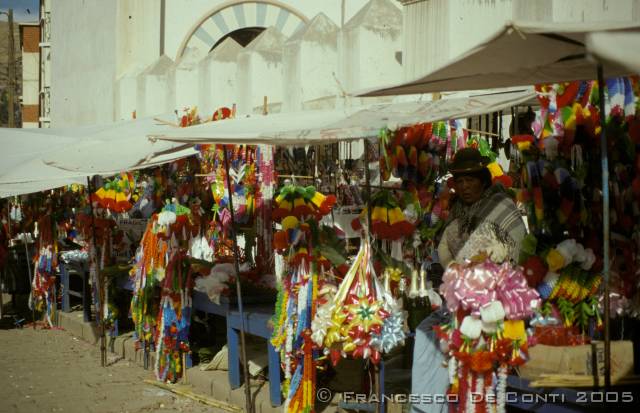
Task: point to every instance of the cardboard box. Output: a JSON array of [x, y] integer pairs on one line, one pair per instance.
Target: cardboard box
[[578, 360]]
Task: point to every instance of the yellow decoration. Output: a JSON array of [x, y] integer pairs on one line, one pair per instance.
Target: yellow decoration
[[365, 314], [299, 202], [318, 198], [379, 214], [284, 204], [555, 260], [514, 330], [290, 222], [495, 169]]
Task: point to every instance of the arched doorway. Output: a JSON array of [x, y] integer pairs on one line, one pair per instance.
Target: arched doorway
[[242, 36], [244, 19]]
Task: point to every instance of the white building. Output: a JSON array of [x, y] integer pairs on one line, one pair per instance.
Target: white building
[[439, 30], [29, 101], [113, 60]]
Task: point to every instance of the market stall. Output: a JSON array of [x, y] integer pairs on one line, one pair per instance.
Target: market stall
[[578, 120], [345, 246]]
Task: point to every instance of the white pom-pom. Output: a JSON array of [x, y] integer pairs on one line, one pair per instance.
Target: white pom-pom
[[590, 258], [567, 249], [471, 327], [492, 312]]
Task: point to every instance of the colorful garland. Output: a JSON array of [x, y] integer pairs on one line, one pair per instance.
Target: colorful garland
[[298, 209], [388, 220], [116, 195], [489, 303], [43, 284], [163, 326]]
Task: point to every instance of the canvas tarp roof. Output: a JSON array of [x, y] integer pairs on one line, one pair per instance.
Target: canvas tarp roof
[[42, 159], [524, 53], [322, 127]]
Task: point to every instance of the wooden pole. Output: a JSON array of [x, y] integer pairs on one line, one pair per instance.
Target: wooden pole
[[191, 395], [236, 262], [367, 177], [100, 315], [28, 259], [604, 159], [12, 72]]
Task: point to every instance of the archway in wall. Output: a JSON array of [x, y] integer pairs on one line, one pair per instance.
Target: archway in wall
[[242, 36], [243, 17]]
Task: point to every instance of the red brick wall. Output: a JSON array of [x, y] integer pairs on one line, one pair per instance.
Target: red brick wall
[[30, 39], [30, 113]]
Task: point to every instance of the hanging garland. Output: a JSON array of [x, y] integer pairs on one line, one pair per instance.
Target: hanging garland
[[487, 333], [299, 209], [116, 194], [43, 284], [174, 318], [163, 326]]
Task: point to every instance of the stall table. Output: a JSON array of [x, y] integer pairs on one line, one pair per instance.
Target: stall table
[[256, 322], [75, 268]]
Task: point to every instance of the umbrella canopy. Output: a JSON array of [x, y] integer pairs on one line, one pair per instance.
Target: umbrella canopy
[[523, 53], [322, 127]]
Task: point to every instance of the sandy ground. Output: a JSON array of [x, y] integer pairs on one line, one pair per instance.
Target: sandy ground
[[51, 371]]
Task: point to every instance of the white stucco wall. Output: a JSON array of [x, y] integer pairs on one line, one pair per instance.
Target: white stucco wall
[[138, 34], [30, 83], [218, 77], [371, 40], [185, 76], [126, 96], [260, 72], [108, 77], [83, 63], [155, 88], [310, 62], [436, 31]]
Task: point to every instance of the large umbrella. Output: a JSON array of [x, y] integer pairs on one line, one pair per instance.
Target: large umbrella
[[523, 53]]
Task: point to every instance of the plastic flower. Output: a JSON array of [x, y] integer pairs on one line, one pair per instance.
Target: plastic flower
[[514, 330], [555, 260]]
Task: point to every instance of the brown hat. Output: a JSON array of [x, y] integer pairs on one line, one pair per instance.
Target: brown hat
[[468, 160]]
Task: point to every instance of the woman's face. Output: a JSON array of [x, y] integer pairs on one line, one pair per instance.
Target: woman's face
[[469, 188]]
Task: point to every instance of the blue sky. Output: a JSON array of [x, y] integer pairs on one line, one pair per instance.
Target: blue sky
[[20, 9]]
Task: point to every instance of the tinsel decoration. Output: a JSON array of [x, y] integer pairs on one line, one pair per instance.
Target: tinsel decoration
[[357, 321], [43, 284], [174, 319]]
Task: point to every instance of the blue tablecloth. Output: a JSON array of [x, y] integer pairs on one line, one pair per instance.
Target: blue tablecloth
[[428, 375]]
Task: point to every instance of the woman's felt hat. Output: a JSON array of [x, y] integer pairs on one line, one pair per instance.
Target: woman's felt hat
[[468, 160]]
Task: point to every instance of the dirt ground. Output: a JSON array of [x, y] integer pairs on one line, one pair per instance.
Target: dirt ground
[[51, 371]]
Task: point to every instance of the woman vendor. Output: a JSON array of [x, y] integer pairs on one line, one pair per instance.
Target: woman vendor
[[483, 219]]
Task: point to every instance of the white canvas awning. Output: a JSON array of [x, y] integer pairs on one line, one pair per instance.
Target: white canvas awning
[[322, 127], [42, 159], [112, 148], [524, 53]]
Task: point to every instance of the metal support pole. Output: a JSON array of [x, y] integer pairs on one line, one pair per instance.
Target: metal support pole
[[236, 262], [605, 227], [99, 315]]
